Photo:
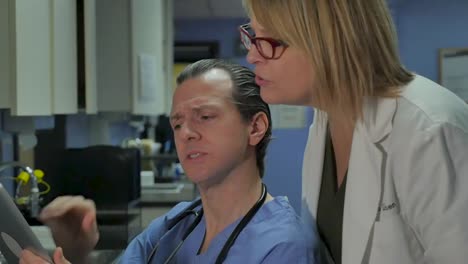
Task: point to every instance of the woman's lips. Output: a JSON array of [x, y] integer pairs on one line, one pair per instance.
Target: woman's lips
[[260, 81]]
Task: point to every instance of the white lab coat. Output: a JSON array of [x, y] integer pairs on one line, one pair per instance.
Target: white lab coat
[[407, 184]]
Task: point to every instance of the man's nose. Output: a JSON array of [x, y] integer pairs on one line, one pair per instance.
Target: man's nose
[[189, 132]]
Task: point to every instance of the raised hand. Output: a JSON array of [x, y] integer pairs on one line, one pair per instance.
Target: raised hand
[[72, 221]]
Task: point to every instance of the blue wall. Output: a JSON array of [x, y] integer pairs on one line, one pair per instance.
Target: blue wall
[[424, 26], [77, 128], [284, 163], [222, 30]]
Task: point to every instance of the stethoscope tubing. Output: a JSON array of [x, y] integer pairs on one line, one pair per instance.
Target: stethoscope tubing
[[198, 216]]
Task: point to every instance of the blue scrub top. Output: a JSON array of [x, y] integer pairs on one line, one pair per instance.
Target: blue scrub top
[[274, 235]]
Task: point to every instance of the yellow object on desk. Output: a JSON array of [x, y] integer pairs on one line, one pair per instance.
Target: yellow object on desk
[[23, 179]]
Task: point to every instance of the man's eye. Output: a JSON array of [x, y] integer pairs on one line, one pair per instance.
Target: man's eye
[[175, 127], [207, 117]]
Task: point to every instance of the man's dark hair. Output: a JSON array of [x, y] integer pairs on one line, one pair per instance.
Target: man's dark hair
[[245, 93]]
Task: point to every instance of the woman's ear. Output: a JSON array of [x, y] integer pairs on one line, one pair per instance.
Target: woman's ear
[[258, 127]]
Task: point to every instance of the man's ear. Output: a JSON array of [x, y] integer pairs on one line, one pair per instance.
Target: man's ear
[[258, 127]]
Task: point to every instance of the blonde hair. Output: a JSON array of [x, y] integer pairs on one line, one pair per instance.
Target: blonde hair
[[352, 46]]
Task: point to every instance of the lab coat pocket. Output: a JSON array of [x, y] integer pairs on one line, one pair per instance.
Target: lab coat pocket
[[394, 242]]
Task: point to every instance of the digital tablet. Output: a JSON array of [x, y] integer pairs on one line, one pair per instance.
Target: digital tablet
[[15, 233]]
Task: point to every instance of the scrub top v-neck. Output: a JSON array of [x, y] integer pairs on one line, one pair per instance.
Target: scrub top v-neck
[[331, 204], [275, 235]]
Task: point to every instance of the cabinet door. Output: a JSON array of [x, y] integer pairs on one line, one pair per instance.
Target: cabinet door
[[149, 83], [131, 55], [64, 59], [30, 60], [69, 17], [90, 56], [4, 55], [113, 40], [168, 51], [38, 40]]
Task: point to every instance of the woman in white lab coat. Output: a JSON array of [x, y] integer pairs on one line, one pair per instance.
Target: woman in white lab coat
[[385, 172]]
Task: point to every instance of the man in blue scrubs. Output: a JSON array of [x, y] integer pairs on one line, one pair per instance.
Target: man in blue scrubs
[[222, 128]]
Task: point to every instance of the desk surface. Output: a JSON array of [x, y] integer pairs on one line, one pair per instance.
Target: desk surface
[[99, 256], [168, 193]]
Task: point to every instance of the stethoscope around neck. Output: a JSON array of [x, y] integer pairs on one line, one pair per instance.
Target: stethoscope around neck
[[198, 217]]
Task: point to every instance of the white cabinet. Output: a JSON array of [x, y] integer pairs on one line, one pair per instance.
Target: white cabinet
[[38, 40], [132, 55], [73, 56], [63, 57], [25, 67], [4, 55], [168, 50]]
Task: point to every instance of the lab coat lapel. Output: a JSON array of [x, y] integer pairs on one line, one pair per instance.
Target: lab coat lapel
[[315, 157], [363, 186]]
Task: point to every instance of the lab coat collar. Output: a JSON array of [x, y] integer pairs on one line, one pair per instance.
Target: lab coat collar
[[378, 114], [364, 176]]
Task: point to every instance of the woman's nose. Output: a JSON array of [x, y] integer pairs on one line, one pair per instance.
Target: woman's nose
[[253, 56]]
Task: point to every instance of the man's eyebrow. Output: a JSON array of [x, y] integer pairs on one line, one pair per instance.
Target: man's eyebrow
[[197, 108], [205, 106], [175, 117]]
